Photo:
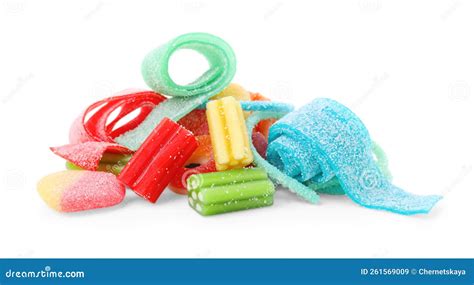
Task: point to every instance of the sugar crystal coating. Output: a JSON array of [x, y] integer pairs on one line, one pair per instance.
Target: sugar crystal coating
[[230, 142], [321, 148], [275, 174], [323, 140], [87, 155], [232, 190], [185, 98], [158, 160], [79, 190], [97, 124]]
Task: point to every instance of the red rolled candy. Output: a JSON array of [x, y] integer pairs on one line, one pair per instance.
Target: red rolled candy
[[158, 159], [95, 124]]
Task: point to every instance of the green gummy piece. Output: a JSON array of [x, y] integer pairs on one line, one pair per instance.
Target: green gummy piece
[[110, 162], [185, 98], [228, 191], [225, 177], [72, 166], [232, 206], [105, 167], [381, 160], [233, 192], [116, 158]]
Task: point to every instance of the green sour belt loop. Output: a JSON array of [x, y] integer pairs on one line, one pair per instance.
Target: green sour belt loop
[[184, 98]]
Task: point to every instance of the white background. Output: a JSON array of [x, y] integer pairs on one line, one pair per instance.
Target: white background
[[406, 67]]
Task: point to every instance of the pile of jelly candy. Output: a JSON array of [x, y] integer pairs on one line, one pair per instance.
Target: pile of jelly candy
[[222, 146]]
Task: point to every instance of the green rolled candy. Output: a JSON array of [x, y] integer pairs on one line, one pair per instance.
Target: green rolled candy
[[184, 98], [238, 191], [228, 191], [214, 209], [212, 179]]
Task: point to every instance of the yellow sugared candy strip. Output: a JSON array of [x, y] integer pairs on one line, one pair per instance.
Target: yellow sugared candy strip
[[233, 90], [229, 137]]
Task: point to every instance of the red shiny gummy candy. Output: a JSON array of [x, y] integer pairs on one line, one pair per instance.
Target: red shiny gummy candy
[[158, 159]]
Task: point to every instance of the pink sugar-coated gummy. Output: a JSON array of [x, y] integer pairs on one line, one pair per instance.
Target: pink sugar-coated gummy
[[87, 155], [92, 190]]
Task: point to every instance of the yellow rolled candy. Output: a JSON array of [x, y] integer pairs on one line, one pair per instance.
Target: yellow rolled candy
[[229, 137]]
